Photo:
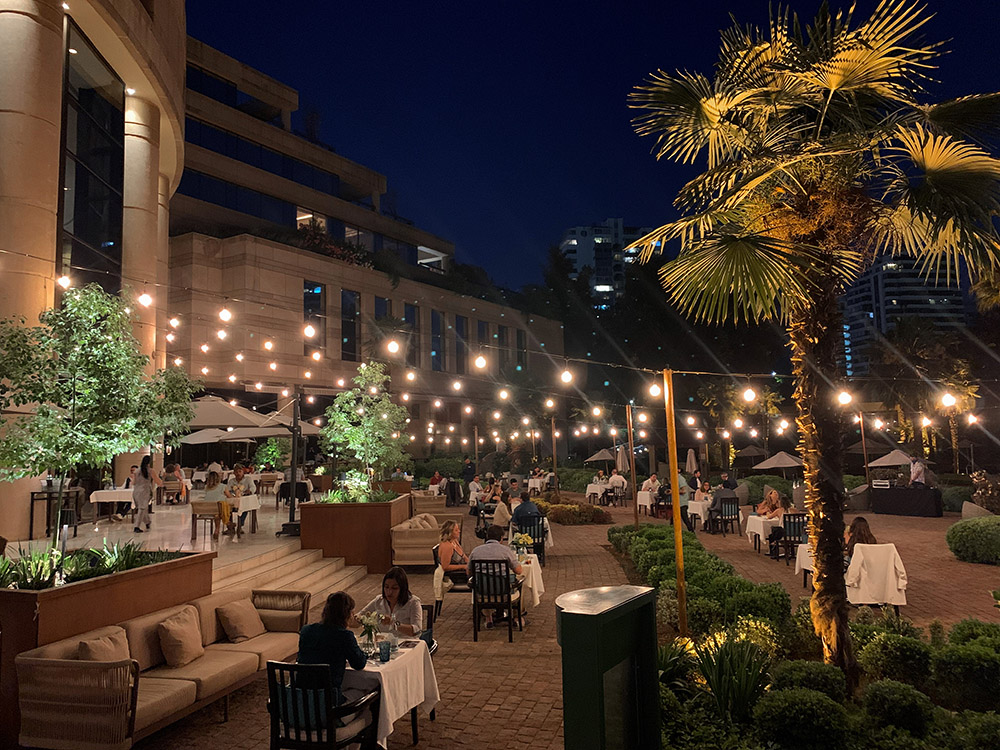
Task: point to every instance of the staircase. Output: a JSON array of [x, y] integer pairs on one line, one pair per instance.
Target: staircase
[[287, 566]]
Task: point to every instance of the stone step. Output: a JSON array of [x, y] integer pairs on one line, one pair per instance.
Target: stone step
[[347, 577], [266, 573], [278, 550]]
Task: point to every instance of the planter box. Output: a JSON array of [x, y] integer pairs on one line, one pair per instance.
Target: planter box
[[321, 482], [29, 619], [399, 486], [358, 532]]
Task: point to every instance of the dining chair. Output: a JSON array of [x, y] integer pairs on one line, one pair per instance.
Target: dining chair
[[459, 578], [730, 516], [306, 712], [534, 526], [427, 636], [794, 525], [285, 493], [493, 589]]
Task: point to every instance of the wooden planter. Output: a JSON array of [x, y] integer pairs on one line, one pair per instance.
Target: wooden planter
[[29, 619], [321, 482], [358, 532], [399, 486]]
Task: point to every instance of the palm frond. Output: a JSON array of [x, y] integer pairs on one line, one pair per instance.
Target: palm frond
[[987, 291], [974, 118]]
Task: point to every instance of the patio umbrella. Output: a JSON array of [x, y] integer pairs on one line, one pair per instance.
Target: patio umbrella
[[751, 451], [203, 437], [691, 462], [212, 411], [780, 460], [257, 433], [621, 459], [895, 458], [603, 454]]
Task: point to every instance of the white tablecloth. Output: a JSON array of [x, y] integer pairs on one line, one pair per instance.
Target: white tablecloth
[[407, 680], [803, 559], [111, 496], [532, 586], [596, 489], [699, 508], [644, 500], [202, 476], [760, 526], [536, 484], [245, 503]]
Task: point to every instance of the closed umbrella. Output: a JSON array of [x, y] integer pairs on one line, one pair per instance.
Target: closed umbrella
[[691, 462], [621, 459]]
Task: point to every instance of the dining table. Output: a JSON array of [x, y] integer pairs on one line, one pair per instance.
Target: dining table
[[644, 499], [405, 682], [759, 527], [699, 508], [532, 586], [111, 498], [803, 561], [596, 488], [537, 484]]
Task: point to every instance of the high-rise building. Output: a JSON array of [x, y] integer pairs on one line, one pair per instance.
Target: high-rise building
[[600, 248], [893, 288]]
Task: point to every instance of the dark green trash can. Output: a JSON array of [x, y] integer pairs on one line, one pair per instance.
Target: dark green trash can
[[610, 690]]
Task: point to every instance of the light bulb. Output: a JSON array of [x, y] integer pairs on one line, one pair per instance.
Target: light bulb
[[174, 322], [340, 382], [690, 420], [170, 337], [145, 300], [232, 403], [178, 362], [496, 415], [738, 423], [284, 392], [437, 403], [558, 434], [405, 397], [699, 434], [317, 421], [317, 356], [643, 417], [411, 375], [783, 424], [269, 345], [844, 398], [451, 428], [972, 419], [273, 366], [566, 376], [307, 374], [753, 433], [749, 394], [642, 433], [258, 386], [221, 333], [373, 390], [392, 346], [468, 410], [613, 432], [64, 282], [465, 441], [504, 395], [549, 403], [725, 434], [480, 362], [204, 348], [857, 418], [447, 441], [224, 315], [596, 411], [525, 420], [948, 400], [232, 378], [412, 438], [239, 356], [879, 423], [780, 431], [457, 385], [310, 399], [204, 371], [926, 422], [655, 390], [309, 331]]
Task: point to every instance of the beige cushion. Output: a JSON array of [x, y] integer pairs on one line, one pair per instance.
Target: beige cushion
[[355, 726], [180, 638], [211, 629], [267, 647], [112, 647], [280, 620], [214, 671], [158, 699], [144, 638], [240, 620], [69, 648]]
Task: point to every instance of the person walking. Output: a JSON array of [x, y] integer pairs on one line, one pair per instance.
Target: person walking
[[142, 493]]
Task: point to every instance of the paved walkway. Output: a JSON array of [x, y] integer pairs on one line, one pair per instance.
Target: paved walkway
[[493, 693]]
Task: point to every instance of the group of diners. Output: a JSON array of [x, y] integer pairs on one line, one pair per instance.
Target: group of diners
[[693, 488], [614, 483]]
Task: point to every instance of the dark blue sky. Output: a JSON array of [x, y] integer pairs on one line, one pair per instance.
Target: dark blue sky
[[498, 125]]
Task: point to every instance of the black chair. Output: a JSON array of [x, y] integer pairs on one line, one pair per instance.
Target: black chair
[[794, 525], [618, 495], [534, 526], [285, 493], [458, 577], [730, 516], [306, 713], [426, 635], [493, 589]]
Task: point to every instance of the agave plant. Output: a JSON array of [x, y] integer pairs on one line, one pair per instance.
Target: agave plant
[[124, 556], [82, 565], [35, 569], [674, 664], [736, 676], [821, 155], [6, 572]]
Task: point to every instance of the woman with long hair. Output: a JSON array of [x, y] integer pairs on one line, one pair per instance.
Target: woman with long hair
[[859, 532], [215, 492], [400, 609], [330, 642], [450, 551], [142, 493]]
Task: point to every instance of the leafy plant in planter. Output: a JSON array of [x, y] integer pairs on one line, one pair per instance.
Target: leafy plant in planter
[[272, 452], [74, 390], [365, 424]]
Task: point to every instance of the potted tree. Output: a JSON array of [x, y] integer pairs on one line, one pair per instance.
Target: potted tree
[[353, 519]]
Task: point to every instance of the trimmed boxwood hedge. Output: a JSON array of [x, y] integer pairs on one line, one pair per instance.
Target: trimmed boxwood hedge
[[892, 703], [976, 540], [801, 719], [815, 675], [967, 676], [895, 657]]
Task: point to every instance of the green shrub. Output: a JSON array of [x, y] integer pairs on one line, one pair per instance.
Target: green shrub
[[868, 624], [575, 480], [666, 608], [953, 497], [970, 628], [891, 703], [976, 731], [735, 674], [704, 615], [853, 481], [814, 675], [573, 514], [756, 484], [976, 540], [936, 634], [895, 657], [967, 677], [674, 664], [958, 480], [801, 719], [767, 600], [692, 725], [449, 466], [988, 642]]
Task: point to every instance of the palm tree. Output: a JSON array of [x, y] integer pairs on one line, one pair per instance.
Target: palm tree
[[820, 156]]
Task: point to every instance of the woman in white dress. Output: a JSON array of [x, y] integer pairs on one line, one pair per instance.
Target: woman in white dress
[[400, 609]]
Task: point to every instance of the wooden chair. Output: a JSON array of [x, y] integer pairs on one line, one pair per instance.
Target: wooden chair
[[618, 495], [303, 704], [169, 488], [534, 526], [493, 589], [205, 512], [730, 516], [267, 482], [794, 525]]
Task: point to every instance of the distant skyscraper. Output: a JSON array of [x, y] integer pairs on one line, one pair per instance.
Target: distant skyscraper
[[896, 288], [599, 246]]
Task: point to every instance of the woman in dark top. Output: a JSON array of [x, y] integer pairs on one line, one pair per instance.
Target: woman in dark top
[[330, 642]]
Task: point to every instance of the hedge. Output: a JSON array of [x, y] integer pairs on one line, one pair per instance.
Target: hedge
[[756, 484], [953, 497], [573, 514], [801, 719], [815, 675], [976, 540], [967, 676], [891, 703], [895, 657], [970, 629]]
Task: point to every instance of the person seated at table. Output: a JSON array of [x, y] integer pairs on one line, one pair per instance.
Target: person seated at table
[[599, 477], [216, 467], [475, 492], [240, 484], [778, 532], [330, 642], [771, 501], [397, 474], [173, 473], [121, 509], [727, 482], [215, 492], [450, 553], [436, 479], [859, 532], [400, 609], [512, 491], [694, 481], [502, 513], [526, 510], [616, 481], [493, 549], [651, 485]]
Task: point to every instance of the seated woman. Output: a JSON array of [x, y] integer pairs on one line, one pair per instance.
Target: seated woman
[[599, 477], [215, 493], [771, 501], [400, 610], [778, 532], [174, 473], [859, 532], [330, 642], [450, 553], [704, 492], [502, 514], [436, 479]]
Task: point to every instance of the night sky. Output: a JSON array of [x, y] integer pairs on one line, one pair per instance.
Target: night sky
[[498, 125]]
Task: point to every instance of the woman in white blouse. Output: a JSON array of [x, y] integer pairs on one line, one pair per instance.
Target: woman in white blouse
[[400, 610]]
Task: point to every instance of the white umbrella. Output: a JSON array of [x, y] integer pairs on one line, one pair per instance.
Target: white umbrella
[[691, 462], [256, 433], [212, 411], [751, 451], [202, 437], [896, 458], [780, 460], [621, 459], [602, 455]]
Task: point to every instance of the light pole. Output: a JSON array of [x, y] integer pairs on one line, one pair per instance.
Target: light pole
[[631, 458], [864, 448]]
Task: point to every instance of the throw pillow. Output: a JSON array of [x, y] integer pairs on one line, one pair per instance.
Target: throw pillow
[[240, 620], [180, 638], [112, 647]]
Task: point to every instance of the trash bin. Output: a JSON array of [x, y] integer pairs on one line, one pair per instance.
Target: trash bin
[[610, 688]]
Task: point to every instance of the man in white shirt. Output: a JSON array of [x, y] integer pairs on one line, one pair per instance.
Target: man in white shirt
[[918, 473], [475, 490], [216, 467], [617, 483]]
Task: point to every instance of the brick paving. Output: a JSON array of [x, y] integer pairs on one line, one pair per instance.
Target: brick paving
[[492, 692]]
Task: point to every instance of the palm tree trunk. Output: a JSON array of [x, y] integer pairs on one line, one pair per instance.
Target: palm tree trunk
[[953, 425], [814, 330]]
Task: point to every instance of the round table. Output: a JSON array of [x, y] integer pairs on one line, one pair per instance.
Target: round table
[[699, 508], [532, 586], [596, 489], [759, 527]]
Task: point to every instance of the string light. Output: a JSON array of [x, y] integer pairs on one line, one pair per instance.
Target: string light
[[465, 441], [392, 346], [699, 434], [170, 338], [496, 415], [221, 333], [879, 423], [411, 375], [753, 433], [317, 421], [405, 397], [482, 441], [307, 374], [642, 433], [273, 366], [613, 432], [525, 420], [655, 390], [317, 356], [258, 386], [566, 376], [780, 430], [178, 362], [972, 418], [204, 348], [844, 398], [145, 300], [437, 403], [232, 403], [447, 441], [64, 282], [239, 356], [642, 417], [549, 403], [503, 394], [948, 400], [857, 418], [480, 362], [690, 420], [738, 423], [558, 434], [783, 424], [311, 399], [749, 394], [468, 410], [373, 390], [926, 422], [269, 345], [224, 315], [576, 433], [412, 438], [596, 411], [232, 378], [340, 382], [308, 331], [174, 322], [725, 434], [204, 371], [451, 428], [457, 385]]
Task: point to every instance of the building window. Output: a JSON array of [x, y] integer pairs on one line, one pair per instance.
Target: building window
[[437, 341], [461, 344], [236, 197], [306, 217], [383, 308], [522, 349], [482, 333], [350, 323], [93, 162], [314, 314], [502, 353], [411, 316]]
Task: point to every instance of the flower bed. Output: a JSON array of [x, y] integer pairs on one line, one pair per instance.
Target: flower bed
[[572, 514]]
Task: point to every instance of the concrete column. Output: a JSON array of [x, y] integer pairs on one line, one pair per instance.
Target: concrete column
[[31, 61], [162, 271]]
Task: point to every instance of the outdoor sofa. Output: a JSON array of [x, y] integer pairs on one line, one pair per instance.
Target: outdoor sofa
[[413, 539], [114, 685]]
